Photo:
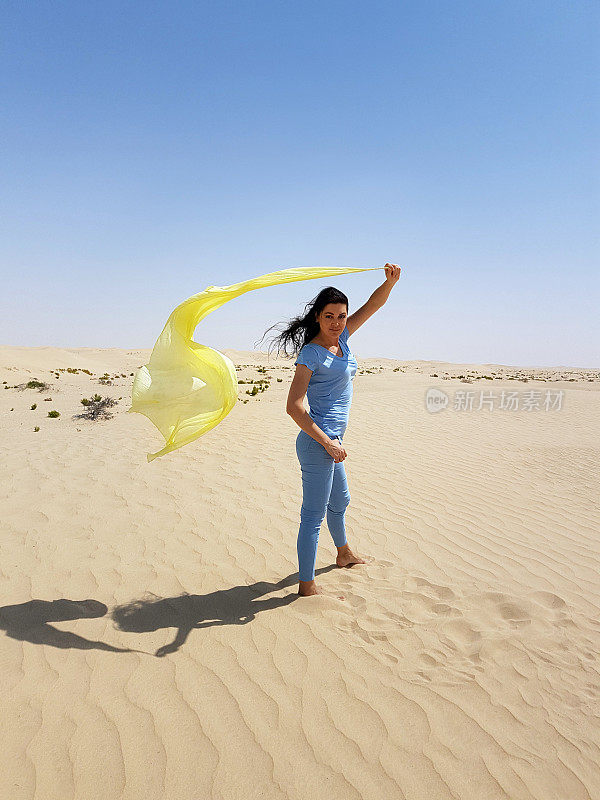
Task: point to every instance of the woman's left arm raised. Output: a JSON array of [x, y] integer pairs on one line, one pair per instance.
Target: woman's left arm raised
[[376, 301], [381, 294]]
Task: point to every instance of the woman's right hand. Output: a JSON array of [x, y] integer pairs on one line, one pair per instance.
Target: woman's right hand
[[336, 450]]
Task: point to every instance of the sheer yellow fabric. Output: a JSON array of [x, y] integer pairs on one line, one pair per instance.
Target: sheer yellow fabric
[[188, 388]]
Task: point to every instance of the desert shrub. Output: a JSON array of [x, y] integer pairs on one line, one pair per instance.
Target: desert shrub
[[37, 427], [35, 384], [96, 407], [34, 406], [54, 414]]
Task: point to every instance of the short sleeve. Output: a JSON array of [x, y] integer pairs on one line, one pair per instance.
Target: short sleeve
[[308, 357]]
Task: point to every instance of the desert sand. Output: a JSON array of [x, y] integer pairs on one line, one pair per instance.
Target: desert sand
[[154, 643]]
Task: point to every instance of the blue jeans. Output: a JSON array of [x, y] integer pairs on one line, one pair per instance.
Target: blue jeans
[[324, 491]]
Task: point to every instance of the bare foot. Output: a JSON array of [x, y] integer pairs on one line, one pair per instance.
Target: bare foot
[[308, 588], [348, 558]]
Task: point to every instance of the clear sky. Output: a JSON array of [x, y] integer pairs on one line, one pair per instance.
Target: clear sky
[[151, 149]]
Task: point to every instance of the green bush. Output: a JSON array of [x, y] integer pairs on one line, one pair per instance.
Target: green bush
[[96, 407], [37, 427], [34, 406], [54, 414]]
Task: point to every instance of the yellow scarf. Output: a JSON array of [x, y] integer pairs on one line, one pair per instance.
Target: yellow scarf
[[188, 388]]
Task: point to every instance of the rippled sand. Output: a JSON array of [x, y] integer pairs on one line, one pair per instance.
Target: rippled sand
[[155, 647]]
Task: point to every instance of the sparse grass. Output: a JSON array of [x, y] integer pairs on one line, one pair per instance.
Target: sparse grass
[[261, 385], [96, 407], [34, 384], [73, 370]]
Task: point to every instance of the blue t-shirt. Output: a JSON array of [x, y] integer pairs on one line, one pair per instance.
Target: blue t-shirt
[[329, 390]]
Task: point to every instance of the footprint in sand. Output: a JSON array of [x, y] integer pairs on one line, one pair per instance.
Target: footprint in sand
[[441, 592], [513, 612], [549, 600]]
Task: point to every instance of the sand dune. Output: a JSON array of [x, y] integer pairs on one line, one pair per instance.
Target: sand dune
[[154, 646]]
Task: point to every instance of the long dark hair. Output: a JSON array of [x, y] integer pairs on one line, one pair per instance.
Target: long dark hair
[[302, 329]]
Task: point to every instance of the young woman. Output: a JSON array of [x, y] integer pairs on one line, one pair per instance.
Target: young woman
[[325, 369]]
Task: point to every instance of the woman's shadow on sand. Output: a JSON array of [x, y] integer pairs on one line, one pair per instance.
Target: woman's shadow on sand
[[30, 621], [236, 606]]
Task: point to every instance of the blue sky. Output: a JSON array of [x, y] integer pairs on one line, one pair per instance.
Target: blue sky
[[154, 148]]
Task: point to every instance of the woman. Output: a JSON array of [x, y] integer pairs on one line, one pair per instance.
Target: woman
[[325, 368]]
